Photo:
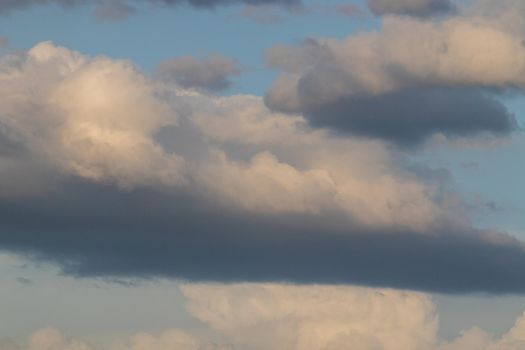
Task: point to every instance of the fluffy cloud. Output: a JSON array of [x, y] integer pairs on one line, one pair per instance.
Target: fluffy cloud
[[344, 84], [99, 119], [73, 116], [272, 316], [314, 317], [177, 183], [418, 8], [211, 73]]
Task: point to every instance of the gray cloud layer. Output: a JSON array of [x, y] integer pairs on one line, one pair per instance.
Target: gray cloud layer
[[107, 172], [113, 10], [117, 9], [417, 8], [209, 3], [93, 230], [408, 117]]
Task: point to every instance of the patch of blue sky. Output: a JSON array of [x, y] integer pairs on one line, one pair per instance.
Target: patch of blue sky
[[34, 296], [492, 174], [156, 33]]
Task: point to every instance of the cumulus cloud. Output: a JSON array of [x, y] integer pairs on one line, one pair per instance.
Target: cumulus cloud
[[74, 117], [99, 119], [210, 73], [181, 184], [314, 317], [274, 316], [343, 85], [417, 8]]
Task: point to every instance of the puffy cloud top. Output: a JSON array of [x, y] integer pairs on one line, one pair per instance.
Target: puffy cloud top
[[276, 316], [172, 179], [386, 84]]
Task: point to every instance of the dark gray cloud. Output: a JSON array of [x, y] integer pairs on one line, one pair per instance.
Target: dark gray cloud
[[211, 73], [417, 8], [113, 10], [95, 230], [409, 117], [10, 143], [212, 217], [118, 9], [211, 3], [7, 6], [387, 85], [261, 14], [8, 344], [270, 14], [24, 281]]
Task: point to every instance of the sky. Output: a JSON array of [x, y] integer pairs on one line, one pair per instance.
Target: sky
[[262, 174]]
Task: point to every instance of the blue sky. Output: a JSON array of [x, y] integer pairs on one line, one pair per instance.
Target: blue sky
[[155, 35]]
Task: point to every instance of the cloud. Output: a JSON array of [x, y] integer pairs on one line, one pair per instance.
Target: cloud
[[314, 317], [211, 73], [349, 10], [277, 316], [149, 235], [344, 85], [79, 117], [7, 344], [211, 3], [269, 13], [263, 14], [126, 176], [120, 9], [416, 8], [410, 117], [102, 121], [24, 281], [7, 6], [113, 10]]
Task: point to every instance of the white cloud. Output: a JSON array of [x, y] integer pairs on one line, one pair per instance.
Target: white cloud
[[277, 316], [90, 117], [476, 338], [459, 51], [314, 317], [407, 82], [98, 119], [51, 339]]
